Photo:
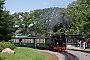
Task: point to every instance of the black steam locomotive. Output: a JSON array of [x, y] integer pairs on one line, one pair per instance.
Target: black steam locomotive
[[57, 42]]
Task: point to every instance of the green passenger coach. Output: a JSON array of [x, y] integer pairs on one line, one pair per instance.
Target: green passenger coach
[[36, 42]]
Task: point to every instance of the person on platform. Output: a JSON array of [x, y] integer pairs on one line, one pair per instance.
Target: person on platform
[[80, 43], [84, 45]]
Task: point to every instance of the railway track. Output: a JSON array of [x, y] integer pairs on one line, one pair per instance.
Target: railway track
[[69, 56], [80, 53]]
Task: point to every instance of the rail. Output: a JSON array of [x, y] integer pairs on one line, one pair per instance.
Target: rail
[[69, 56]]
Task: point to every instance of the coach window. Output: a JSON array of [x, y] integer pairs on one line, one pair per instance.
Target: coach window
[[27, 40], [22, 40], [17, 40], [31, 40], [13, 40], [37, 41], [44, 40], [41, 40]]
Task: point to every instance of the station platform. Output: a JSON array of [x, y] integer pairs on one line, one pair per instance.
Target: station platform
[[78, 48]]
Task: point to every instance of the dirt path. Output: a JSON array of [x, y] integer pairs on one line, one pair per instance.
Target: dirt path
[[51, 56]]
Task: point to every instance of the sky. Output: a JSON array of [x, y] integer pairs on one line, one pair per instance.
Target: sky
[[28, 5]]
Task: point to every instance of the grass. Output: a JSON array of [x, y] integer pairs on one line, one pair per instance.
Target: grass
[[23, 54]]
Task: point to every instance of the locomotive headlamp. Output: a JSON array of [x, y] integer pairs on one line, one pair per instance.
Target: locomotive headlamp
[[60, 35]]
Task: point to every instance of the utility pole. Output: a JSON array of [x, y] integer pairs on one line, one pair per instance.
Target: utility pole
[[35, 43]]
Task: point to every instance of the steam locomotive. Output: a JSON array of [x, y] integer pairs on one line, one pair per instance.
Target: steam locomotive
[[57, 42]]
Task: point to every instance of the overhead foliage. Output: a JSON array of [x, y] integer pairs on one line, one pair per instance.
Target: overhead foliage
[[80, 16], [40, 21]]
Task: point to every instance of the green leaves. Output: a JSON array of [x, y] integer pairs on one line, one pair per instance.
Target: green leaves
[[79, 13], [5, 23], [40, 21]]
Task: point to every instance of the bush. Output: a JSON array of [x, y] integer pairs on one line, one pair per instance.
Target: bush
[[4, 45], [1, 48]]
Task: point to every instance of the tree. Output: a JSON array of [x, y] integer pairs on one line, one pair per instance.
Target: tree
[[24, 22], [40, 21], [58, 26], [37, 22], [5, 23], [4, 26], [79, 16]]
